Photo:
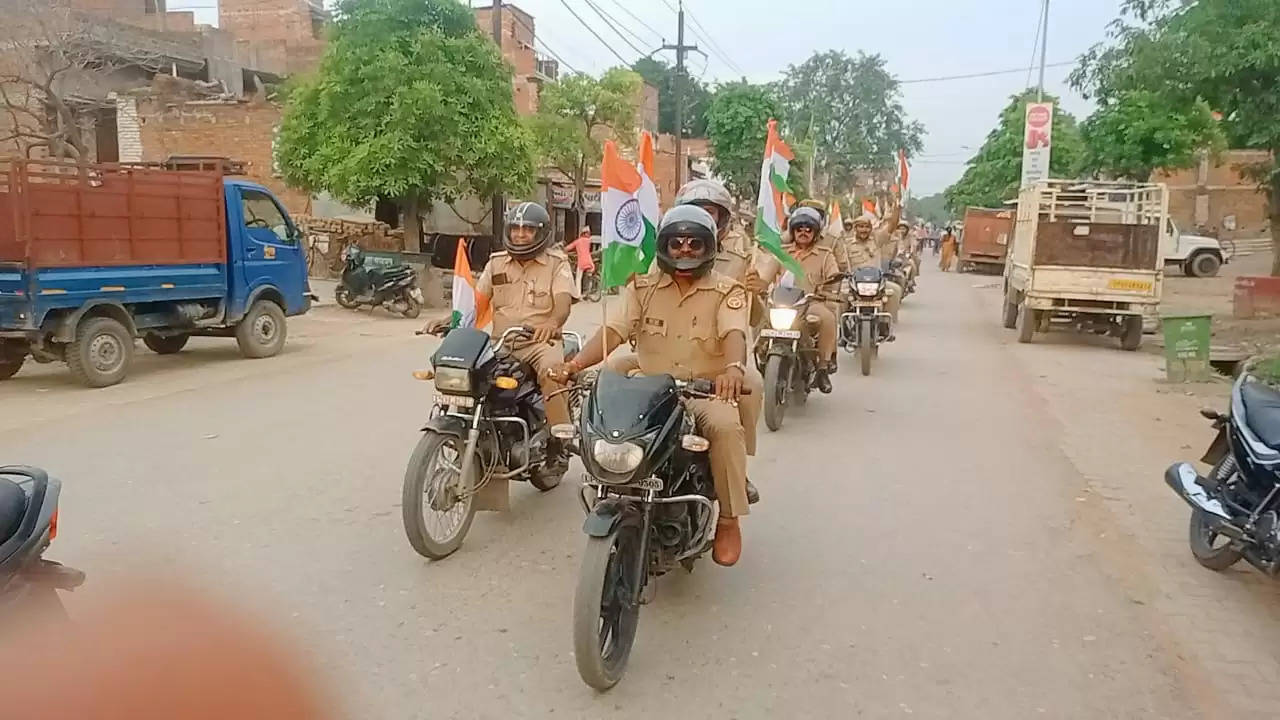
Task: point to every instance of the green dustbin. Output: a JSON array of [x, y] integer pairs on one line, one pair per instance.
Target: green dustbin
[[1186, 347]]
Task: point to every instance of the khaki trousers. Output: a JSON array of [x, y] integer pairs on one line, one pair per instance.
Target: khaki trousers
[[543, 357], [827, 336], [721, 424]]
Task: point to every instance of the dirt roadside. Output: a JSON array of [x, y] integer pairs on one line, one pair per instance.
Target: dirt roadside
[[1188, 295]]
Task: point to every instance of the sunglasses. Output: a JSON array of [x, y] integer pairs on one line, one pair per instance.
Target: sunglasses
[[687, 243]]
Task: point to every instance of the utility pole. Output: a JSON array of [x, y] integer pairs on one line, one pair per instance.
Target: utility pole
[[1044, 46], [499, 203], [678, 90]]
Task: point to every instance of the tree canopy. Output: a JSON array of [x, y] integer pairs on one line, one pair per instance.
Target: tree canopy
[[931, 209], [993, 174], [410, 102], [1182, 53], [737, 127], [1133, 135], [850, 110], [697, 98], [578, 112]]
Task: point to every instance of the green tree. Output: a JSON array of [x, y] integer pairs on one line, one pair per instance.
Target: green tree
[[993, 174], [850, 110], [697, 98], [931, 208], [1133, 135], [410, 102], [578, 113], [1223, 52], [737, 127]]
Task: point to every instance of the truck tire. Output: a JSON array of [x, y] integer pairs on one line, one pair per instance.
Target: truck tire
[[1203, 264], [13, 353], [10, 367], [101, 352], [1028, 321], [1010, 316], [165, 344], [261, 333], [1131, 332]]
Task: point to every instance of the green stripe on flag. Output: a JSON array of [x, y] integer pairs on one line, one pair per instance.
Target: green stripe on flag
[[770, 240], [619, 262], [779, 182]]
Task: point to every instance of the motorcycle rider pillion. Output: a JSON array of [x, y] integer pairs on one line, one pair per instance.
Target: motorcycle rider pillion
[[733, 260], [819, 264], [530, 283], [690, 321]]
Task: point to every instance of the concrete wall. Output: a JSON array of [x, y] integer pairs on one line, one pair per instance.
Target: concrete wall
[[1217, 197]]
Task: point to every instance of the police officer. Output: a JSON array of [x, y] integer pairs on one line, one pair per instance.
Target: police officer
[[819, 263], [733, 261], [691, 322], [530, 284], [828, 240]]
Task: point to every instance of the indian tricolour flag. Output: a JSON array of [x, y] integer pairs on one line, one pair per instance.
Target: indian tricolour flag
[[628, 218], [470, 307], [836, 226], [770, 211]]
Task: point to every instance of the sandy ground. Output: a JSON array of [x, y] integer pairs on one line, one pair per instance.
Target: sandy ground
[[977, 530]]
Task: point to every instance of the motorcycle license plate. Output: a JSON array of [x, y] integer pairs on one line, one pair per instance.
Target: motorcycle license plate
[[416, 294], [650, 483], [785, 334]]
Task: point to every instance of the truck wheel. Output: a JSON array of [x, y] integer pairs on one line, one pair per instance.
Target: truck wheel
[[9, 367], [165, 344], [1010, 315], [12, 354], [262, 332], [101, 352], [1131, 332], [1203, 264], [1028, 321]]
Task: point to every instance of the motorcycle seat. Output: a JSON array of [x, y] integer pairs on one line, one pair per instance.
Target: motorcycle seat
[[13, 506], [1262, 412]]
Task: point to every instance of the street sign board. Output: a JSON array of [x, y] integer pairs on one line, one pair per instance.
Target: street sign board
[[1037, 143]]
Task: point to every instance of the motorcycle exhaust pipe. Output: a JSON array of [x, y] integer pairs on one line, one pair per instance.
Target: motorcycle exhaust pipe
[[1183, 479]]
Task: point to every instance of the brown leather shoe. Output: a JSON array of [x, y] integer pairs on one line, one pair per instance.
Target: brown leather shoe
[[727, 547]]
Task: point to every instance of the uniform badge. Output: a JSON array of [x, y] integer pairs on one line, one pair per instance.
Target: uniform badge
[[735, 301]]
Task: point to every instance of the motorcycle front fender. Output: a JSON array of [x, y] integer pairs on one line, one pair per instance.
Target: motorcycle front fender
[[1218, 449], [781, 348], [605, 517], [448, 425]]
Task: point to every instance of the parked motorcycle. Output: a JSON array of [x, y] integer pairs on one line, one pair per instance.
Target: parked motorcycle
[[650, 504], [866, 324], [1235, 510], [394, 287], [786, 352], [28, 523], [487, 426]]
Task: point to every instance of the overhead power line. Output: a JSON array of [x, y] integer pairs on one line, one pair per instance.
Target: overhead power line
[[711, 44], [981, 74], [592, 30], [642, 23], [1031, 65], [706, 37], [612, 26]]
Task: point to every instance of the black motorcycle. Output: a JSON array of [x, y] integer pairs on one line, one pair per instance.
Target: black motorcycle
[[1235, 510], [488, 426], [28, 523], [786, 351], [650, 504], [394, 287], [866, 324]]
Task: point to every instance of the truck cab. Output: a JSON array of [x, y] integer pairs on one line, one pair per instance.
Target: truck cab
[[1196, 255]]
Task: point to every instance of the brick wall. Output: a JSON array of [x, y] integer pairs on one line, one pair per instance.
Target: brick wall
[[1221, 191], [241, 131]]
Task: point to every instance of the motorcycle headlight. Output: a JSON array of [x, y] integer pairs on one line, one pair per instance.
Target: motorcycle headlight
[[782, 318], [867, 289], [453, 380], [618, 458]]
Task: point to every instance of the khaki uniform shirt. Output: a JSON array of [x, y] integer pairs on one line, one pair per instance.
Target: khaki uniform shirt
[[524, 293], [678, 333], [864, 253], [819, 265]]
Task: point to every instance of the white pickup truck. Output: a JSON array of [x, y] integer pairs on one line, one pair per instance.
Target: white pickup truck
[[1086, 255], [1196, 255]]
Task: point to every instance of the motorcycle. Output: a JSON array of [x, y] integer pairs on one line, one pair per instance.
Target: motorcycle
[[487, 426], [651, 508], [1235, 510], [786, 352], [28, 523], [394, 287], [866, 324]]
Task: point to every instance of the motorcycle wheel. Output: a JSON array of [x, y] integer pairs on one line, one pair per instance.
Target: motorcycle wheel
[[435, 533], [591, 293], [344, 298], [866, 347], [413, 309], [776, 387], [606, 609], [1202, 538]]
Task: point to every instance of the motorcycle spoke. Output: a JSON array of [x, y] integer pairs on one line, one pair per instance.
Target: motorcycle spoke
[[441, 477]]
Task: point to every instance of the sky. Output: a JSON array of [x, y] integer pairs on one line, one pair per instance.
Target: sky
[[920, 39]]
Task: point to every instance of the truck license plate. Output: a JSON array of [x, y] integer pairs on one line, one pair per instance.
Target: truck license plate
[[1131, 285], [787, 334]]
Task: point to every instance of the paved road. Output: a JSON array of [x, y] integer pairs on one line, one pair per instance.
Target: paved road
[[923, 546]]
